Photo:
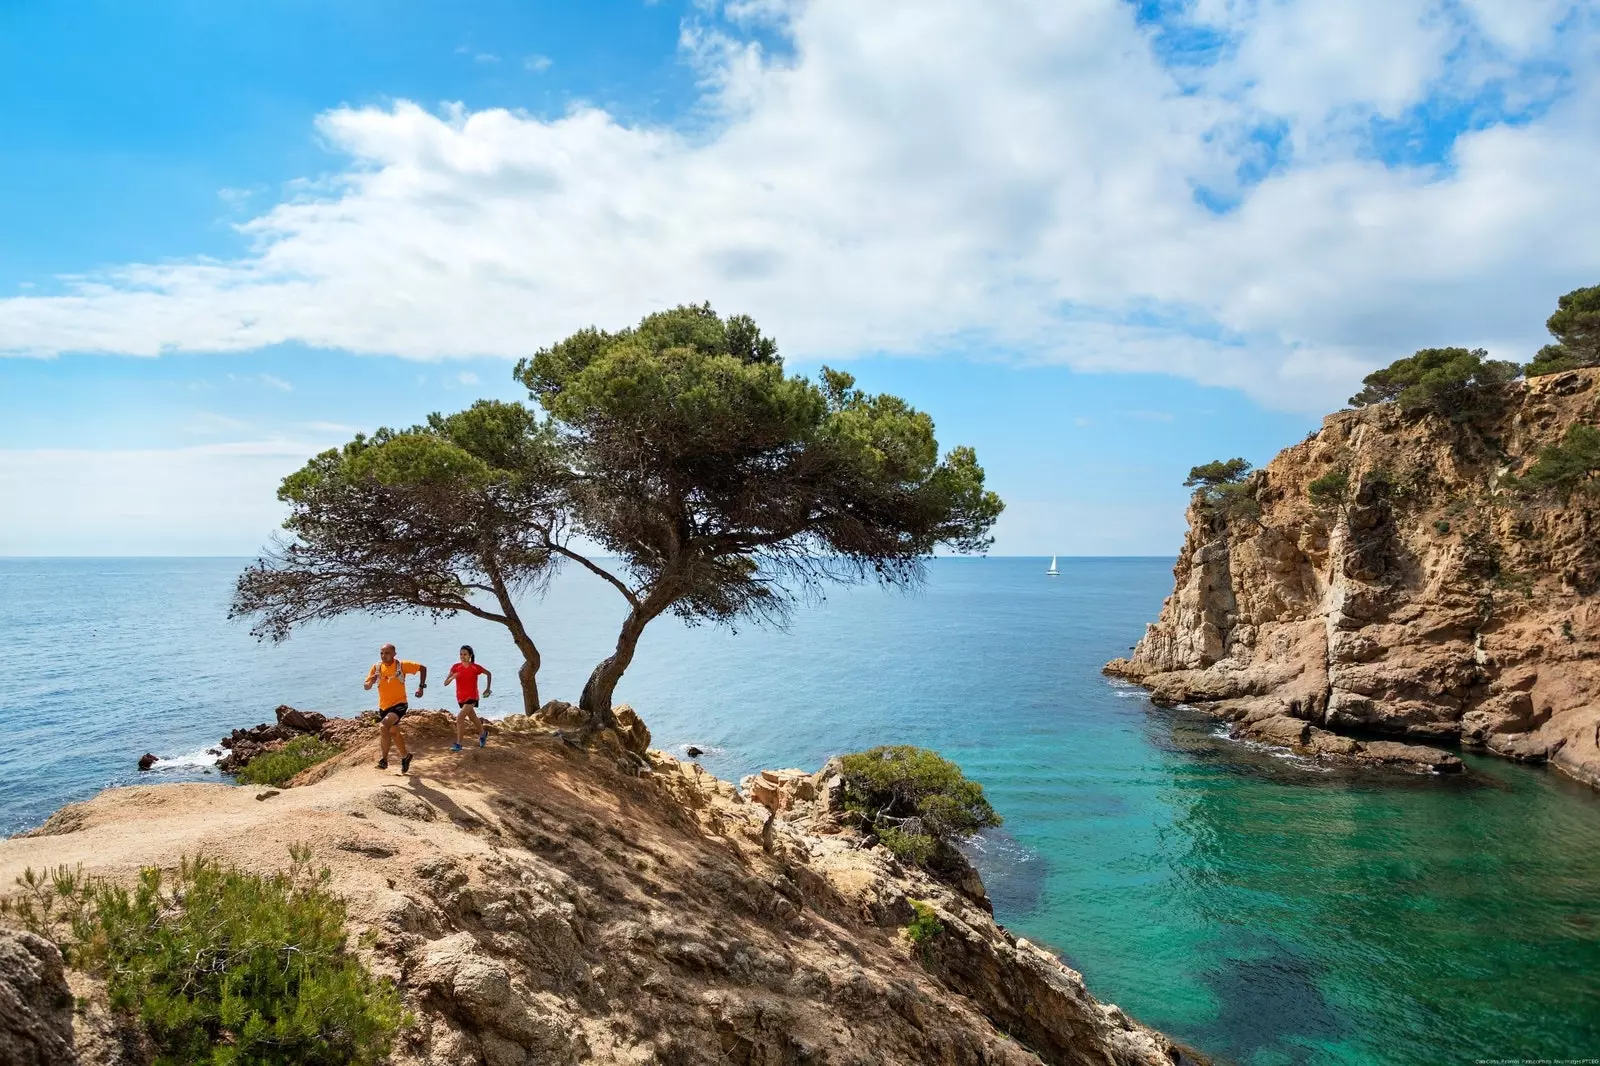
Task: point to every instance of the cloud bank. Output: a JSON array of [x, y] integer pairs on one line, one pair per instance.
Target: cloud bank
[[1270, 195]]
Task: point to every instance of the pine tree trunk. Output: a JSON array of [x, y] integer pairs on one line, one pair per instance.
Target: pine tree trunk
[[602, 683], [528, 674]]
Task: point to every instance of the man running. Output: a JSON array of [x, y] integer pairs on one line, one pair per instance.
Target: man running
[[389, 674], [466, 674]]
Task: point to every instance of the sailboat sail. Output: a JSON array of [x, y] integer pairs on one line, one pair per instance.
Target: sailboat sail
[[1053, 572]]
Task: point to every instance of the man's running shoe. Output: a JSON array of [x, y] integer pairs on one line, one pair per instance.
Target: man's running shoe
[[483, 737], [405, 763], [383, 764], [455, 747]]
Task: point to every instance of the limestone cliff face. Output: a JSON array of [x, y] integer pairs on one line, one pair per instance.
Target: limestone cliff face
[[537, 904], [1428, 600]]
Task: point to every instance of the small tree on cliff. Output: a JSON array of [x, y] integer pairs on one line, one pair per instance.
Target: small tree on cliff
[[1458, 383], [455, 516], [728, 489], [918, 802], [1220, 488], [1576, 328]]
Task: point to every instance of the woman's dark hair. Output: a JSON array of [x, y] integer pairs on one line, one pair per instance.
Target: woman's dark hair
[[468, 649]]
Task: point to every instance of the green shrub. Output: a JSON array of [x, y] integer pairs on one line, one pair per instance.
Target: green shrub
[[277, 767], [1576, 328], [924, 927], [1220, 488], [1329, 488], [222, 968], [915, 848], [917, 802], [1458, 383], [1565, 468], [1217, 472], [1441, 526]]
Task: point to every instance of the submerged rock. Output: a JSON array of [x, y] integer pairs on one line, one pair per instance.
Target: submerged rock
[[148, 760]]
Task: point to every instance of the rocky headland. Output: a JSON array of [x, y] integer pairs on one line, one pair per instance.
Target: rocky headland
[[537, 902], [1391, 586]]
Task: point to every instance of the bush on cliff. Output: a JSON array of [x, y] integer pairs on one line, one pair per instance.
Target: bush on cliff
[[1458, 383], [1328, 489], [1220, 488], [1568, 467], [918, 802], [1576, 328], [221, 967], [277, 767]]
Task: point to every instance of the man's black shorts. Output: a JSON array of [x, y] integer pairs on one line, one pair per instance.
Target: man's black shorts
[[473, 703], [398, 710]]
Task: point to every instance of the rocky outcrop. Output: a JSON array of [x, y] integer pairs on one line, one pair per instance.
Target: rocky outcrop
[[1419, 594], [535, 903], [35, 1002]]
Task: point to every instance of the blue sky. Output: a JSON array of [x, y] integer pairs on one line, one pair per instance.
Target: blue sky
[[1099, 240]]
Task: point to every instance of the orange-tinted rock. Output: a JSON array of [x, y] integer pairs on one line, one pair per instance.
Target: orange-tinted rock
[[1433, 601]]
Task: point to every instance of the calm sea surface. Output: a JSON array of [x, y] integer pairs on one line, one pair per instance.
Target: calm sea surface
[[1242, 901]]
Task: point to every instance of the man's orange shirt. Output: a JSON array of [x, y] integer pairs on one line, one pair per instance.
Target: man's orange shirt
[[391, 681]]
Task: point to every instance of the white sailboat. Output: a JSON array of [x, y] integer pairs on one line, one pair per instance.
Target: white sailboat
[[1053, 571]]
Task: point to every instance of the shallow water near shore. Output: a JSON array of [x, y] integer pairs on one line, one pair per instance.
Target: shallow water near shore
[[1259, 907]]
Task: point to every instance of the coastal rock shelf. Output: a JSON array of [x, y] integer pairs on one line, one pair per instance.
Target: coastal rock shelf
[[538, 903], [1419, 594]]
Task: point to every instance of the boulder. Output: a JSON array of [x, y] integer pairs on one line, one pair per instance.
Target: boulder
[[148, 760], [1523, 747], [1325, 743], [1280, 729], [35, 1003], [631, 730], [1505, 712], [301, 721], [1417, 757], [559, 714], [779, 790]]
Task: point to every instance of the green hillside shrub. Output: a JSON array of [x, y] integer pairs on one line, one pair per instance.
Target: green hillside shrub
[[1576, 328], [1568, 467], [1328, 489], [919, 803], [277, 767], [1458, 383], [222, 967]]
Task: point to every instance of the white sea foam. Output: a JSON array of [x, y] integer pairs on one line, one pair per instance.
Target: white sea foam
[[202, 759]]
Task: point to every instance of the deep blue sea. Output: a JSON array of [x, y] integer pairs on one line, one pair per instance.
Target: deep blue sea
[[1248, 903]]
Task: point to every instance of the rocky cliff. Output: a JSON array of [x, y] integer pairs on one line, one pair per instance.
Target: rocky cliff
[[536, 903], [1418, 594]]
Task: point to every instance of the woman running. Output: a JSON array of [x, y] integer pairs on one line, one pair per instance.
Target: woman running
[[466, 674]]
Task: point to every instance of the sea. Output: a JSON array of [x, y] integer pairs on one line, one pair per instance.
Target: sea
[[1257, 906]]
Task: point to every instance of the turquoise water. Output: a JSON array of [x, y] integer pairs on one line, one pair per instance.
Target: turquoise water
[[1244, 902]]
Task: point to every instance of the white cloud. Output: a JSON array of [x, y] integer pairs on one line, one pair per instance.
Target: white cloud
[[926, 175], [486, 57], [467, 377], [537, 63]]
